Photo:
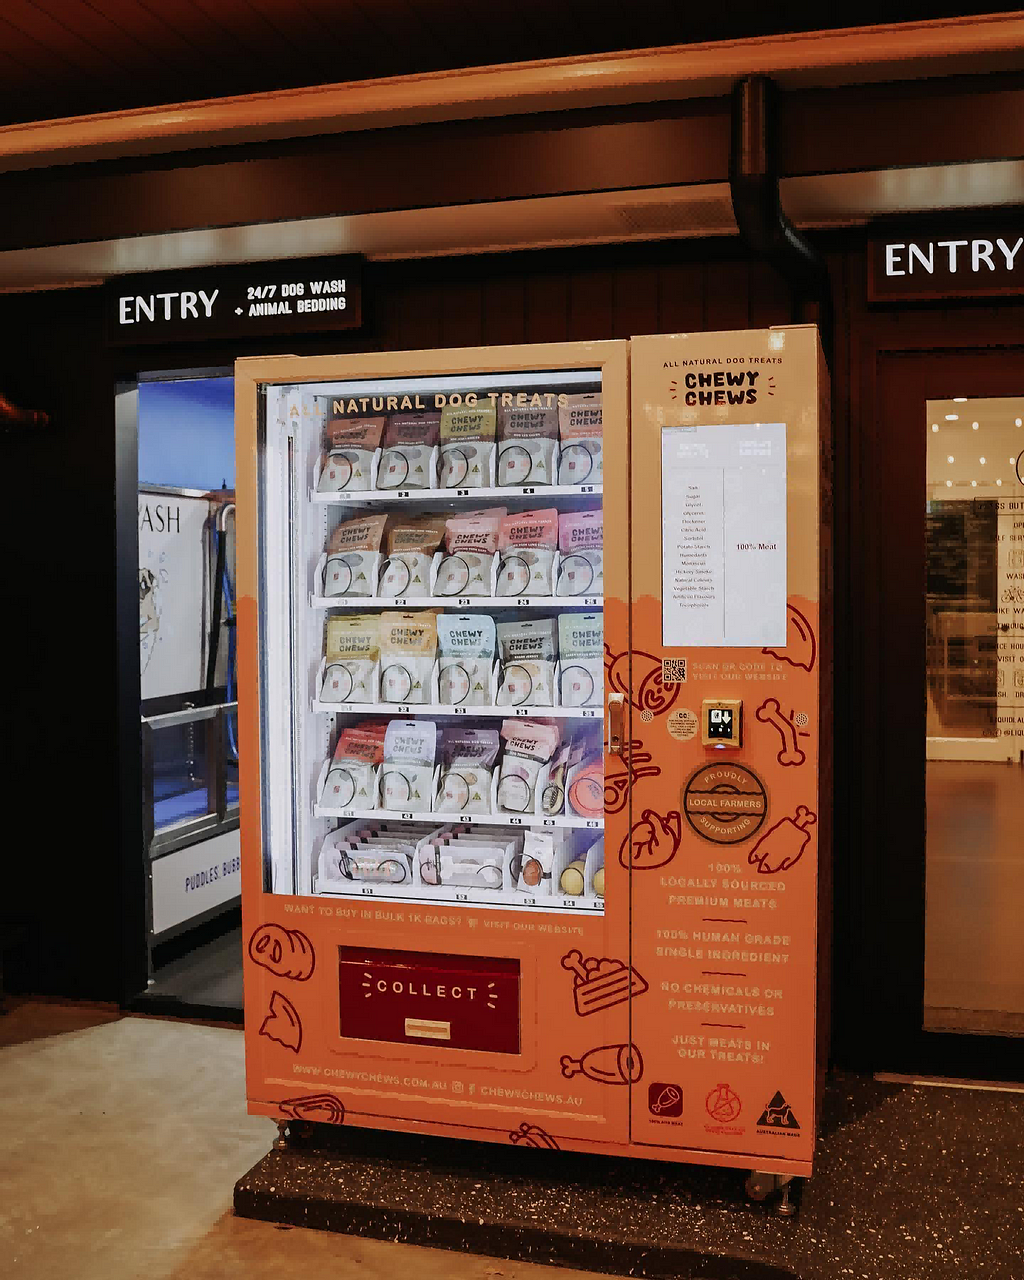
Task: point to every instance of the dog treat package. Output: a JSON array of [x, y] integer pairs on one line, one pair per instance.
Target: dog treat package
[[467, 761], [537, 861], [349, 445], [471, 541], [410, 543], [528, 652], [408, 647], [466, 642], [526, 547], [351, 779], [353, 551], [353, 654], [407, 459], [581, 659], [581, 562], [526, 444], [463, 866], [529, 744], [580, 429], [407, 774], [467, 445], [552, 799], [388, 864]]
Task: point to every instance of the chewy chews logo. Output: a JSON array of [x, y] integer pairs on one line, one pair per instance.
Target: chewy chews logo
[[736, 382]]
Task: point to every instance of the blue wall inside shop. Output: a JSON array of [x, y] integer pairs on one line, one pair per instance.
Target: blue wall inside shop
[[187, 433]]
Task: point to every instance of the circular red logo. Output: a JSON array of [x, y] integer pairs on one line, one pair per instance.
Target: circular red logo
[[722, 1104]]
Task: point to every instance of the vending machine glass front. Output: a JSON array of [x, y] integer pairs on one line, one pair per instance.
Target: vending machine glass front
[[433, 578]]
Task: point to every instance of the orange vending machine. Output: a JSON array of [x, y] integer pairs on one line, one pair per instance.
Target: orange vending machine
[[531, 649]]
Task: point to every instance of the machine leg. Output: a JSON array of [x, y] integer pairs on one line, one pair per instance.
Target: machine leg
[[281, 1141], [759, 1186]]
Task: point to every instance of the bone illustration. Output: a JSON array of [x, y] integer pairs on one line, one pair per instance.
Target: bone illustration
[[601, 983], [770, 712], [287, 953], [652, 841], [783, 845], [801, 648], [282, 1023], [609, 1064]]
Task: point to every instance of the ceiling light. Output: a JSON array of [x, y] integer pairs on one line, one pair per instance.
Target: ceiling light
[[999, 482], [974, 426], [951, 458], [982, 461], [935, 426], [949, 484], [952, 417], [1017, 422], [959, 399], [974, 484]]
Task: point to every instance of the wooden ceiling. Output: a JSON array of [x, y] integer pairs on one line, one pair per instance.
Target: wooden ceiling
[[76, 57]]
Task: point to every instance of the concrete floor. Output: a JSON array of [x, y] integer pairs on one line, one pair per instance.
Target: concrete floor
[[123, 1140]]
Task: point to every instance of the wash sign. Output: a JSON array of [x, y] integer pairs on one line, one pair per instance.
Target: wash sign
[[907, 266], [264, 299]]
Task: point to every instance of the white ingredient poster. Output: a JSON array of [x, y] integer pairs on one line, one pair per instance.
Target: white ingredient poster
[[723, 519], [171, 586]]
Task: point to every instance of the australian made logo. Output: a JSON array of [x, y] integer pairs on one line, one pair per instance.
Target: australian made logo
[[778, 1117]]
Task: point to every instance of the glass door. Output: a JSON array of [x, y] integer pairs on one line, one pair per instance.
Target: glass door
[[974, 947]]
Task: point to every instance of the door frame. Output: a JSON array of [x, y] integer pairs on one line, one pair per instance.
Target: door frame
[[901, 363]]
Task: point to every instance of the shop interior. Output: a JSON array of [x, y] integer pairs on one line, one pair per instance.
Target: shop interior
[[188, 706]]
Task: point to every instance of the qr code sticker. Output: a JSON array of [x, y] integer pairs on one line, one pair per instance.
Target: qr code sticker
[[673, 671]]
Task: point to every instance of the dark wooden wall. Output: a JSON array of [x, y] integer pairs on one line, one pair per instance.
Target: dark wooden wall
[[72, 772]]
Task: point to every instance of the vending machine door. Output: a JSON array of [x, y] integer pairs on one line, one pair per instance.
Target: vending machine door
[[433, 622], [727, 821]]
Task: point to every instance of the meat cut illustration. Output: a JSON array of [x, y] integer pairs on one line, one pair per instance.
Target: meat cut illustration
[[286, 953], [801, 648], [324, 1108], [783, 845], [601, 983], [652, 841], [282, 1023], [609, 1064]]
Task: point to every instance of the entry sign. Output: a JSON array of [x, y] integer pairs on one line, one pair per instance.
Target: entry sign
[[975, 263], [256, 300]]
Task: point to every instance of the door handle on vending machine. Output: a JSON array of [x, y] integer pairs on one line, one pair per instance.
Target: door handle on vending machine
[[616, 712]]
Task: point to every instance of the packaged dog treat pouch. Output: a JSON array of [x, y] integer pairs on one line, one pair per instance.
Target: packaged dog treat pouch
[[581, 559], [528, 652], [407, 459], [351, 777], [407, 774], [529, 744], [347, 461], [353, 552], [467, 445], [467, 761], [536, 864], [580, 659], [526, 547], [466, 642], [479, 867], [389, 865], [580, 429], [471, 542], [408, 647], [410, 542], [353, 654], [526, 444]]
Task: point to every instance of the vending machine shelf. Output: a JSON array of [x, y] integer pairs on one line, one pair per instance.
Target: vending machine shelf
[[559, 603], [424, 497], [493, 819], [440, 709]]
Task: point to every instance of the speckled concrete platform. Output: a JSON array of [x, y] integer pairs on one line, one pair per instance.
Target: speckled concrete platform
[[910, 1183]]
